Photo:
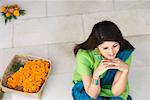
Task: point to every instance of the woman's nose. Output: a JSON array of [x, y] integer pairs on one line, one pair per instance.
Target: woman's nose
[[111, 52]]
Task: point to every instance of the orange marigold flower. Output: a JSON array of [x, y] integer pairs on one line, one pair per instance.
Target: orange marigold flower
[[11, 9], [3, 9], [16, 13], [30, 77], [8, 14]]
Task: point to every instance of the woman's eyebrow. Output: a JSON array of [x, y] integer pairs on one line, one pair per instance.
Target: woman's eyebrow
[[105, 46], [116, 44]]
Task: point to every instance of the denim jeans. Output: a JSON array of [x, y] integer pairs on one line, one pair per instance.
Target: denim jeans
[[79, 93]]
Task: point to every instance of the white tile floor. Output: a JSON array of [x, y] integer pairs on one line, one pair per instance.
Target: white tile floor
[[57, 8], [6, 39], [55, 30], [125, 20], [142, 50], [58, 87], [64, 61], [139, 82]]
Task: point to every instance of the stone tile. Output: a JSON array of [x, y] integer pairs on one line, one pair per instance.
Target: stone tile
[[17, 96], [48, 30], [130, 4], [139, 83], [129, 22], [141, 55], [72, 7], [6, 34], [145, 15], [58, 87], [62, 57]]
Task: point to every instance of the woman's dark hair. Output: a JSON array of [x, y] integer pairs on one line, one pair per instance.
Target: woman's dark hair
[[104, 31]]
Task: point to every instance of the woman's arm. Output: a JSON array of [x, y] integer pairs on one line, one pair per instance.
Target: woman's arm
[[91, 88], [121, 77], [119, 84], [89, 81]]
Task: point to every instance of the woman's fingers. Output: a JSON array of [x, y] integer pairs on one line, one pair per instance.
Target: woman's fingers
[[116, 60], [114, 64], [111, 63], [106, 60], [112, 67]]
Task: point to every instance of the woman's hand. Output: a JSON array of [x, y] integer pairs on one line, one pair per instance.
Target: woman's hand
[[103, 66], [118, 64]]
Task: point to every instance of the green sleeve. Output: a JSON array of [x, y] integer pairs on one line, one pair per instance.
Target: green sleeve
[[84, 62]]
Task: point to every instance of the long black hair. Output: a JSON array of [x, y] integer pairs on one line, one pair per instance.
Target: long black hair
[[104, 31]]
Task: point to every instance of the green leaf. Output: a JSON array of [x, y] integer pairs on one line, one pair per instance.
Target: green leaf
[[15, 67], [22, 12], [14, 17], [9, 18], [6, 20], [3, 14]]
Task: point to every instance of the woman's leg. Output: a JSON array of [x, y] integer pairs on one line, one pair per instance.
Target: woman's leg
[[102, 98], [78, 93], [116, 98]]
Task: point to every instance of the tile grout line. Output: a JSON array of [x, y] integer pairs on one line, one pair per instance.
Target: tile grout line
[[61, 43], [78, 14], [131, 8], [138, 35], [83, 29], [113, 1]]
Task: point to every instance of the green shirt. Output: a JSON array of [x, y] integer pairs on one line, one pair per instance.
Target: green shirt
[[87, 61]]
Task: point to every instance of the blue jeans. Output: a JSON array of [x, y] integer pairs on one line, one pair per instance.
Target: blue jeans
[[78, 93]]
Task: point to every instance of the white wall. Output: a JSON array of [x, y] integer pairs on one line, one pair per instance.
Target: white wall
[[50, 29]]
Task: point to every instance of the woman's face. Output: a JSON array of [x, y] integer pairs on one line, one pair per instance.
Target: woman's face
[[109, 49]]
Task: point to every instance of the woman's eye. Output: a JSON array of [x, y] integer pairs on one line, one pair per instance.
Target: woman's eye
[[105, 48], [115, 45]]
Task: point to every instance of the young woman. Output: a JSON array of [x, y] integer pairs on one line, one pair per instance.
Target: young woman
[[103, 62]]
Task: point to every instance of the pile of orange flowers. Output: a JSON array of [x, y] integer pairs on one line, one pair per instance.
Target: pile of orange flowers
[[11, 11], [31, 76]]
